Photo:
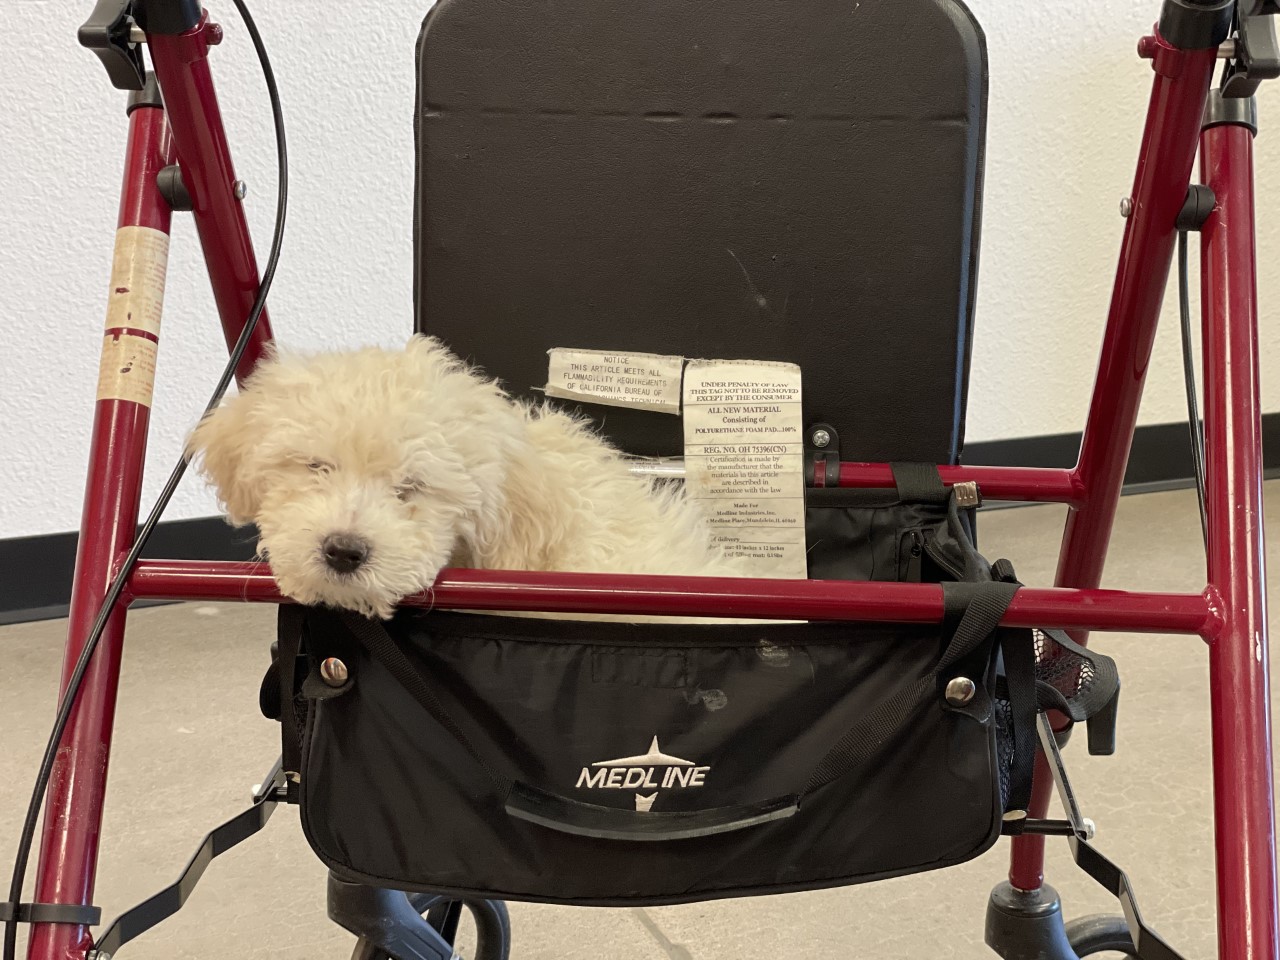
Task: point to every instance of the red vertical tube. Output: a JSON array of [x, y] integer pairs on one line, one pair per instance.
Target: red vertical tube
[[182, 67], [69, 842], [1165, 162], [1243, 804], [1160, 186]]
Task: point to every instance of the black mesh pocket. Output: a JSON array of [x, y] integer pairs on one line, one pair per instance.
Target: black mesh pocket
[[1004, 747], [1072, 679], [1077, 682]]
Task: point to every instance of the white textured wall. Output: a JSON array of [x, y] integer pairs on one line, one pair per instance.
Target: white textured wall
[[1067, 95]]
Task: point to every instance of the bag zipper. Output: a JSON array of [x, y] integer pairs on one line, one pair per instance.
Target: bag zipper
[[941, 559], [914, 565]]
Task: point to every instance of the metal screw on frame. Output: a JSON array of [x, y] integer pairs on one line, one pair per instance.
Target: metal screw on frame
[[1126, 207], [820, 438], [240, 189]]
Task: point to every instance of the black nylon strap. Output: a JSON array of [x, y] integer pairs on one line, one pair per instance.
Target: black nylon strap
[[383, 647], [1019, 650], [984, 605], [74, 913], [289, 624], [918, 483]]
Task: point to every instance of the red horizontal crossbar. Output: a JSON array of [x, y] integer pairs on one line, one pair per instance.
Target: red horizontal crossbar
[[706, 597], [1036, 484]]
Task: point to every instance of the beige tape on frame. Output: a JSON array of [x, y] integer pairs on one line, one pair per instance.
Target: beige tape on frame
[[127, 370], [128, 366]]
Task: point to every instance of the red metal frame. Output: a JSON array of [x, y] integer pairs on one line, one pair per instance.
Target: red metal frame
[[1244, 816], [69, 843], [462, 589], [182, 68], [1165, 160], [1230, 614]]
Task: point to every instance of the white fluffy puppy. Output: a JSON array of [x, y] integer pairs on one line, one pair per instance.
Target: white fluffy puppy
[[367, 472]]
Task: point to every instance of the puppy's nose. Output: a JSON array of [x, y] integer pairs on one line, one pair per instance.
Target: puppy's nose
[[345, 553]]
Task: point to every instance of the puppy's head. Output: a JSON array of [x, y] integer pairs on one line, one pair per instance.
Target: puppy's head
[[363, 471]]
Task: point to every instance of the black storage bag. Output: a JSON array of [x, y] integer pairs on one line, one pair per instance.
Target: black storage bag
[[608, 763], [886, 535]]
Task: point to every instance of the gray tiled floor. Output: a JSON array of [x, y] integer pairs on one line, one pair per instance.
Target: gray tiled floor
[[189, 743]]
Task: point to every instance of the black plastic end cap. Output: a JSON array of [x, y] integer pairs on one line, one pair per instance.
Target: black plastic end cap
[[1195, 211], [148, 96], [1102, 725], [1196, 24], [167, 17], [174, 191], [1220, 110]]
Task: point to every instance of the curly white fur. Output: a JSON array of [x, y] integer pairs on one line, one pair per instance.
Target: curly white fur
[[426, 464]]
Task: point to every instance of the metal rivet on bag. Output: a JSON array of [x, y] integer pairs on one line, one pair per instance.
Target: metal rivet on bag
[[334, 672], [960, 690]]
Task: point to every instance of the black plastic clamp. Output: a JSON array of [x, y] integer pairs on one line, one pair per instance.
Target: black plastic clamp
[[1224, 111], [108, 32], [1196, 24], [169, 17], [1196, 208], [1257, 57], [74, 913], [821, 456], [148, 95]]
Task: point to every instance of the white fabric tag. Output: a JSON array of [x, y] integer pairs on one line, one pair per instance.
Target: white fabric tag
[[643, 381], [744, 459]]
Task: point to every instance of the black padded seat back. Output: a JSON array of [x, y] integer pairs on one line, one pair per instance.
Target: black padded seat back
[[761, 179]]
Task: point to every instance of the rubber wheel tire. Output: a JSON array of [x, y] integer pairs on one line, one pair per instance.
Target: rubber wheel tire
[[493, 926], [1100, 933]]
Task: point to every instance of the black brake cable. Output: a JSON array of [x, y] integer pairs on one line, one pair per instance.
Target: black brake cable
[[76, 679], [1194, 424]]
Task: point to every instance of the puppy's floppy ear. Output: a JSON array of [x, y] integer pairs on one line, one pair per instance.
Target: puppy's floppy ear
[[223, 441]]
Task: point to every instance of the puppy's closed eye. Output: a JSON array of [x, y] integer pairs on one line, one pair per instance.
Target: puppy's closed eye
[[409, 487], [319, 466]]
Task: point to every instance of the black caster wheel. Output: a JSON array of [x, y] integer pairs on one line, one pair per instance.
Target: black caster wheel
[[492, 927], [1100, 933]]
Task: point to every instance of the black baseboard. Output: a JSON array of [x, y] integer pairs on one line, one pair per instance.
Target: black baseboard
[[36, 583], [1159, 460]]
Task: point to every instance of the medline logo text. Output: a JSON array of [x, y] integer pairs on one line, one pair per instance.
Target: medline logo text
[[629, 778], [653, 770]]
